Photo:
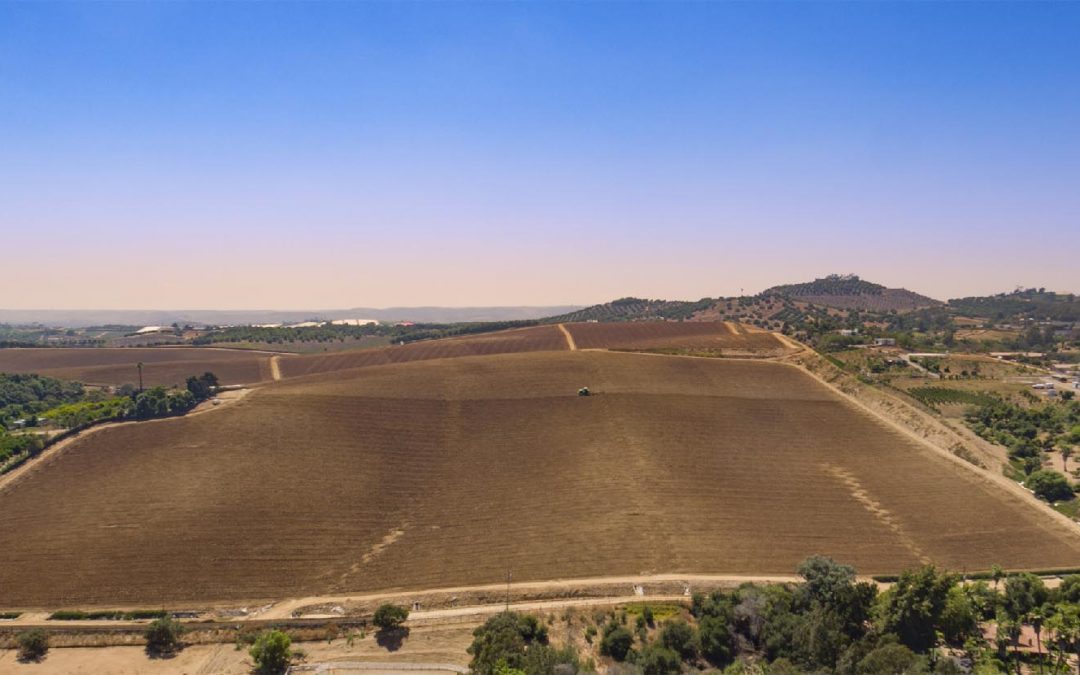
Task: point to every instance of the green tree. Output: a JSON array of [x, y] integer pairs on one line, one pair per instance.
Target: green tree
[[913, 607], [1049, 485], [893, 659], [715, 640], [616, 641], [679, 637], [658, 660], [959, 619], [504, 637], [33, 645], [163, 635], [390, 617], [271, 652]]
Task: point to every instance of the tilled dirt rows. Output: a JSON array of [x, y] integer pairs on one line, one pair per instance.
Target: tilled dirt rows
[[442, 473]]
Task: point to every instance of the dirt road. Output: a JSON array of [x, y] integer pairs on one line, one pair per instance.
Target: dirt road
[[275, 368], [569, 338]]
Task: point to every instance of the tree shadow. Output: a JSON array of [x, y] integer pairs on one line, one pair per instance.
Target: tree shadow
[[392, 638], [163, 654]]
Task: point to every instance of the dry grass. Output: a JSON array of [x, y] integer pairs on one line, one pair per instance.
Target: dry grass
[[440, 473], [165, 365]]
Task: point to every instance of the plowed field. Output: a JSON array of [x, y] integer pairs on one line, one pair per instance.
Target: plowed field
[[718, 336], [534, 339], [164, 366], [437, 473]]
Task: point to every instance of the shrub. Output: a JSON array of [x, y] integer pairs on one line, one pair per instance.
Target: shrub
[[163, 636], [1049, 485], [271, 652], [657, 660], [390, 617], [33, 644], [679, 637], [616, 642]]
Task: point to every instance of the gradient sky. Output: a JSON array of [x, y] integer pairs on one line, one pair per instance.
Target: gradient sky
[[356, 154]]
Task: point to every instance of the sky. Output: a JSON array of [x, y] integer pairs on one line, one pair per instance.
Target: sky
[[318, 155]]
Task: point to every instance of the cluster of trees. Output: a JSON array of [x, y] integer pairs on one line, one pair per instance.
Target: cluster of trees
[[340, 333], [71, 406], [831, 623], [162, 402], [24, 396], [1029, 433]]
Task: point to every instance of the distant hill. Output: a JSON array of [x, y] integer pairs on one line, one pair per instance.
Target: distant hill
[[850, 292], [1031, 303]]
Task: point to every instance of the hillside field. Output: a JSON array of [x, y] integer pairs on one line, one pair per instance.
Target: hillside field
[[166, 366], [444, 472]]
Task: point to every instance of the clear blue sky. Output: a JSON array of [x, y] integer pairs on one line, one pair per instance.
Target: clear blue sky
[[324, 155]]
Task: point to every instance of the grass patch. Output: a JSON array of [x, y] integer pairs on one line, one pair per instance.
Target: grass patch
[[1070, 508], [8, 616], [661, 611]]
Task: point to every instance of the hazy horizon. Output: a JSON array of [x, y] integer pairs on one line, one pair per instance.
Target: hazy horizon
[[174, 156]]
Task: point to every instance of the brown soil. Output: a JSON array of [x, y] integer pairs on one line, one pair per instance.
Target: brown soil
[[450, 472], [167, 366]]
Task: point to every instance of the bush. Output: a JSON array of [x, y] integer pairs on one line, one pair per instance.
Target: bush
[[33, 645], [1049, 485], [271, 652], [616, 642], [657, 660], [679, 637], [163, 636], [390, 617]]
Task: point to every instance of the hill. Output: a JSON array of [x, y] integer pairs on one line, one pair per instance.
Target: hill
[[635, 309], [445, 472], [1022, 304], [851, 292]]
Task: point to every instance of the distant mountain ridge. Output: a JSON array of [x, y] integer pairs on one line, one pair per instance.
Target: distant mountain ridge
[[80, 318]]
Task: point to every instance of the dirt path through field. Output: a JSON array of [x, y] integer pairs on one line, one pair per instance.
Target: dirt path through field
[[621, 584], [275, 368], [569, 338]]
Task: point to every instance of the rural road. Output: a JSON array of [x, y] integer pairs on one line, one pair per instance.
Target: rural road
[[570, 344], [275, 368], [285, 609]]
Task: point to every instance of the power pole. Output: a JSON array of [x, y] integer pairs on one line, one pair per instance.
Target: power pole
[[140, 377], [508, 590]]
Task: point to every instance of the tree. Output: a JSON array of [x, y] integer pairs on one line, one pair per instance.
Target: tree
[[959, 619], [658, 660], [913, 607], [616, 641], [163, 636], [825, 578], [715, 639], [390, 617], [1049, 485], [1066, 453], [271, 652], [504, 638], [679, 637], [892, 659], [33, 645]]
